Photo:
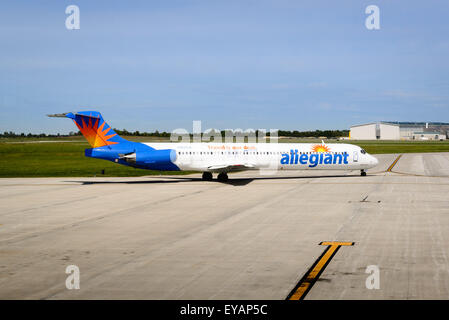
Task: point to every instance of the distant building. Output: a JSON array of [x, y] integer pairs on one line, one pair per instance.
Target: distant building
[[363, 132], [389, 130], [428, 136]]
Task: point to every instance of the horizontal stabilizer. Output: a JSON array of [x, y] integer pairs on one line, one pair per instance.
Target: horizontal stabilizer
[[58, 115], [72, 115]]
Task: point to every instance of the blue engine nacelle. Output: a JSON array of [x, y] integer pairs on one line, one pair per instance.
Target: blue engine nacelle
[[150, 157]]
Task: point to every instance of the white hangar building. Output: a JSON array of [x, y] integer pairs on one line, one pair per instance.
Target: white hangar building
[[388, 130], [375, 131]]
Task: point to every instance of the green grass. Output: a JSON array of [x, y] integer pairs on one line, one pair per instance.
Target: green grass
[[20, 158], [376, 146], [61, 159]]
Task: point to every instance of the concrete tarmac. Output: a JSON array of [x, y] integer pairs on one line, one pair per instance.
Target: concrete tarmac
[[177, 237]]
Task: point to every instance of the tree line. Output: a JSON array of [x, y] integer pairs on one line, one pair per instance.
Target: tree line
[[163, 134]]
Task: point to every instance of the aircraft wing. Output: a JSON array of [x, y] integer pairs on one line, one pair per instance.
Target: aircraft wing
[[231, 167]]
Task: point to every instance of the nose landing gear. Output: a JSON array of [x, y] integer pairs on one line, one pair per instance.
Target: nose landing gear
[[362, 173]]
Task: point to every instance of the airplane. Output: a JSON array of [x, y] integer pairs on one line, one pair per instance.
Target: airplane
[[212, 157]]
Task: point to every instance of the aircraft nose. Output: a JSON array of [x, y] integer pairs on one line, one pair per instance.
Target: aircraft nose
[[375, 161]]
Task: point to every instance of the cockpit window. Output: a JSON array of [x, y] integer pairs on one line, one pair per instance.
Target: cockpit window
[[362, 151]]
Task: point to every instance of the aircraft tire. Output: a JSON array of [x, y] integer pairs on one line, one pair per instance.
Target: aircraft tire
[[222, 177], [207, 176]]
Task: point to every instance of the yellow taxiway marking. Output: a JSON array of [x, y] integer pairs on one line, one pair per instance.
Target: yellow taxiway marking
[[309, 279], [394, 163]]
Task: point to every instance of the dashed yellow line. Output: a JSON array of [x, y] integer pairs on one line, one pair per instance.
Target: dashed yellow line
[[394, 163], [309, 279]]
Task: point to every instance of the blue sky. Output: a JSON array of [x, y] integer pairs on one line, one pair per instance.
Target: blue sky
[[149, 65]]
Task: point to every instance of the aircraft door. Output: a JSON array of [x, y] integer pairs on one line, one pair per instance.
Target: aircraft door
[[356, 156]]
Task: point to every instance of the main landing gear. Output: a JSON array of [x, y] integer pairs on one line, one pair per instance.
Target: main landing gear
[[222, 177], [207, 176], [362, 173]]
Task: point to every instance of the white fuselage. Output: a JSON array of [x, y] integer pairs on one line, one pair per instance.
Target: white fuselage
[[217, 157]]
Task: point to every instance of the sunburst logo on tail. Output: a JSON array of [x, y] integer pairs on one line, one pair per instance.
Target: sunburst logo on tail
[[320, 148], [97, 136]]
